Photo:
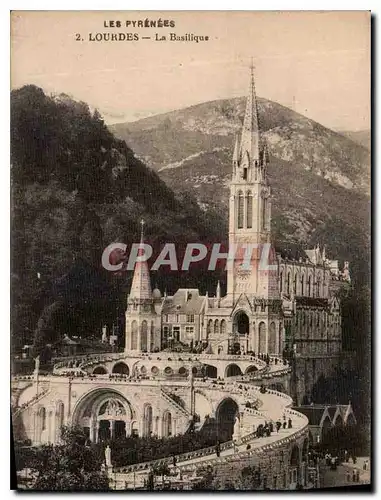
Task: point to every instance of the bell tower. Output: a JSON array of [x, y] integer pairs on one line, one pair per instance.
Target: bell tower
[[249, 203]]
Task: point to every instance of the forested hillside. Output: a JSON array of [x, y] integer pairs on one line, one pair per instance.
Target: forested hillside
[[76, 189]]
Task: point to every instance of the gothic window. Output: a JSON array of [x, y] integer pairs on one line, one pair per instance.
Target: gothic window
[[318, 290], [302, 285], [249, 210], [264, 212], [216, 326], [281, 282], [245, 174], [295, 283], [223, 327], [240, 210], [43, 418], [288, 283], [144, 336], [309, 286], [134, 335]]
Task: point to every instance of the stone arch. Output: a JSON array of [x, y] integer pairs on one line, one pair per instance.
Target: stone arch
[[241, 323], [167, 424], [87, 409], [134, 335], [262, 337], [100, 370], [121, 367], [232, 370], [144, 336], [272, 338], [251, 369], [226, 412], [210, 371], [216, 327], [223, 327]]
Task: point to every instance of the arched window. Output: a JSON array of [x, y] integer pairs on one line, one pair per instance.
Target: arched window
[[264, 212], [309, 286], [318, 286], [144, 335], [302, 285], [249, 210], [281, 282], [43, 418], [209, 327], [134, 335], [240, 210], [288, 283], [216, 327], [295, 283], [223, 327]]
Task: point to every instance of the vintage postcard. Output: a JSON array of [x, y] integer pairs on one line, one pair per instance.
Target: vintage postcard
[[190, 240]]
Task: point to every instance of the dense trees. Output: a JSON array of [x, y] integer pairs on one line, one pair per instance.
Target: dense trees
[[70, 466]]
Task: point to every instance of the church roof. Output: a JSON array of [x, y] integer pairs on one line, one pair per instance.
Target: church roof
[[313, 413], [185, 301]]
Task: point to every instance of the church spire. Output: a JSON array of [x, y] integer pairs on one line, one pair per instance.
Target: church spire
[[141, 283], [250, 129]]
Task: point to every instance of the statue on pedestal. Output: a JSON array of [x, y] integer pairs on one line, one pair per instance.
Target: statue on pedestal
[[108, 456], [237, 429]]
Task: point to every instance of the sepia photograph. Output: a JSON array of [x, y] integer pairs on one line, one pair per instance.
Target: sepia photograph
[[190, 198]]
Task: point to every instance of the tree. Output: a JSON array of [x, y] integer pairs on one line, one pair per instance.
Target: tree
[[71, 466]]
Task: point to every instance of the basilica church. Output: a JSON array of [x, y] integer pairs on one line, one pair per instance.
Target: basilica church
[[293, 305]]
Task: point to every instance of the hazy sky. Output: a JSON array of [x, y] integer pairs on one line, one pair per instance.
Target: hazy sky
[[316, 62]]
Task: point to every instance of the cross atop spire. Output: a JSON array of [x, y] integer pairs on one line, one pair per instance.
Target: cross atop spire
[[142, 223], [141, 284], [250, 130]]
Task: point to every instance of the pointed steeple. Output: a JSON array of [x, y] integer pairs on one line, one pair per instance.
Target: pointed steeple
[[218, 290], [250, 129], [141, 283]]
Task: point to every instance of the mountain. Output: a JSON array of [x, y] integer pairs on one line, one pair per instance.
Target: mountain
[[320, 179], [361, 137]]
